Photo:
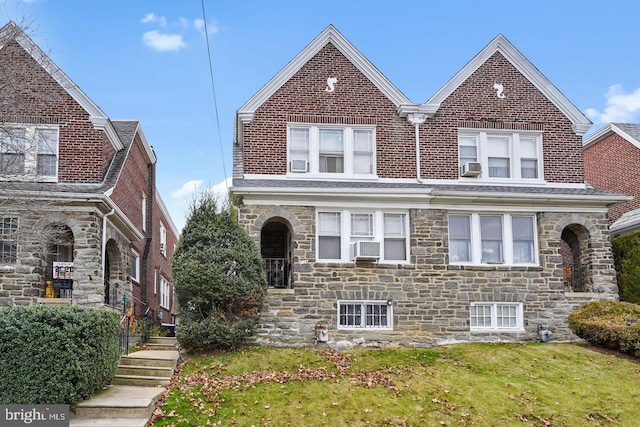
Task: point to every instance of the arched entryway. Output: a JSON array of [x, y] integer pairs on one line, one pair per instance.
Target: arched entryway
[[59, 259], [112, 286], [276, 248], [576, 259]]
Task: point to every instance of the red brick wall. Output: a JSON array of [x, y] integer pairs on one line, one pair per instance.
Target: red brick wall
[[354, 100], [612, 164], [132, 183], [36, 98], [474, 103]]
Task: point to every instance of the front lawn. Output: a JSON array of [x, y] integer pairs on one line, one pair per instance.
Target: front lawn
[[458, 385]]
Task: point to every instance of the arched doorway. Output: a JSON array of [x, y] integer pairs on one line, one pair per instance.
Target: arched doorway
[[113, 292], [576, 258], [276, 248], [59, 259]]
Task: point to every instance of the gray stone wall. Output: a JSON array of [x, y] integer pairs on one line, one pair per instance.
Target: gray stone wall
[[23, 283], [430, 298]]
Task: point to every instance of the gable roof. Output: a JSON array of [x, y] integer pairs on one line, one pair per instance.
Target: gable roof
[[329, 35], [628, 131], [11, 31], [500, 44]]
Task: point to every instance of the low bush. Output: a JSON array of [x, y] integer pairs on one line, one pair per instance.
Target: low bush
[[609, 324], [626, 254], [56, 355]]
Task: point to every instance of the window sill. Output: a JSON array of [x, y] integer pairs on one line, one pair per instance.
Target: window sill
[[589, 295], [500, 331], [494, 267], [341, 328], [7, 268], [280, 291]]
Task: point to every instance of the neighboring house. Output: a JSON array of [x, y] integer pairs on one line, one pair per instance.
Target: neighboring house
[[78, 201], [611, 159], [382, 221]]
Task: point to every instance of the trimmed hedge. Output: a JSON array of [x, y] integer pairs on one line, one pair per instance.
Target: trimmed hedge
[[626, 254], [56, 354], [609, 324]]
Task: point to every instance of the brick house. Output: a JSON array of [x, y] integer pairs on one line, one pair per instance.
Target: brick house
[[611, 158], [384, 222], [78, 200]]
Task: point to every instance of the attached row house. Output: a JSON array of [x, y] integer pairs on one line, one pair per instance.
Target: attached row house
[[383, 222], [81, 221]]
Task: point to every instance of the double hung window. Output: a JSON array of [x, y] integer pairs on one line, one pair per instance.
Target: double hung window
[[135, 266], [496, 316], [388, 229], [364, 315], [502, 155], [492, 239], [348, 150], [29, 151], [8, 240], [164, 293]]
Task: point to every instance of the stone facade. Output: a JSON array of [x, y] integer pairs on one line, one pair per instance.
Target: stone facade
[[430, 298]]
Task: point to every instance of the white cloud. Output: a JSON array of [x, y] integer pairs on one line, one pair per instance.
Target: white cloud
[[189, 188], [184, 22], [221, 191], [152, 18], [163, 42], [199, 25], [620, 106]]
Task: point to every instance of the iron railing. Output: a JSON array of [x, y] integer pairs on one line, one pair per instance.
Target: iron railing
[[278, 272]]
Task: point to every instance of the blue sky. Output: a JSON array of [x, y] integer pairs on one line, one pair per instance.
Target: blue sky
[[148, 59]]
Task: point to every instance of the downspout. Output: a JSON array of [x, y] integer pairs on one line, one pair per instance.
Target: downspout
[[416, 120], [104, 243]]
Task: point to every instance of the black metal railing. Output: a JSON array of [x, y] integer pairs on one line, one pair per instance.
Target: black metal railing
[[278, 272]]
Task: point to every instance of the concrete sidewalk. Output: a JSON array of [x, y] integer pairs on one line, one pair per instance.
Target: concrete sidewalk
[[125, 405]]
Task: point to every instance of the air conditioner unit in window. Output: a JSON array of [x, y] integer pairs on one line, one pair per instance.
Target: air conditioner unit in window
[[299, 166], [162, 247], [471, 169], [365, 250]]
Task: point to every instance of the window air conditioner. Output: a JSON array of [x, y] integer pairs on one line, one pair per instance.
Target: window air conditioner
[[162, 247], [471, 169], [299, 166], [365, 250]]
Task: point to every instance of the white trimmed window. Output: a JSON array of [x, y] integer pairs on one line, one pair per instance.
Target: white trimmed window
[[496, 316], [155, 281], [344, 150], [164, 293], [163, 240], [365, 315], [501, 154], [29, 152], [492, 239], [8, 240], [387, 232], [144, 212], [135, 266]]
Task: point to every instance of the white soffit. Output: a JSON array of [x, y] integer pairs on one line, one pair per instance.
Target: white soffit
[[500, 44], [329, 35]]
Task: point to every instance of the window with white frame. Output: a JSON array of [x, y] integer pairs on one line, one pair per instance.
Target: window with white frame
[[492, 239], [144, 212], [155, 281], [502, 154], [496, 316], [135, 266], [8, 240], [164, 293], [389, 229], [29, 152], [365, 315], [345, 150], [163, 240]]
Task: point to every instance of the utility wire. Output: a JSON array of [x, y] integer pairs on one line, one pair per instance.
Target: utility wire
[[215, 101]]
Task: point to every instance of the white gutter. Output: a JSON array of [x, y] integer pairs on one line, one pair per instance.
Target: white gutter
[[104, 243]]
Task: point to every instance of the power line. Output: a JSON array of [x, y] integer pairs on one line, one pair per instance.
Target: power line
[[215, 101]]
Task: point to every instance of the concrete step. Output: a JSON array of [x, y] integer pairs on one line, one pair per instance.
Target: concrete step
[[136, 360], [119, 401], [142, 370], [161, 346], [109, 422], [140, 380], [163, 340]]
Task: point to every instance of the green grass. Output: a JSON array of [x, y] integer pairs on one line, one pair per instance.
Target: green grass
[[458, 385]]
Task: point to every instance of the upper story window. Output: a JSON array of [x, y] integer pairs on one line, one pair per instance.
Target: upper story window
[[144, 212], [492, 239], [372, 236], [163, 240], [135, 266], [164, 293], [500, 155], [29, 152], [323, 150], [8, 240]]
